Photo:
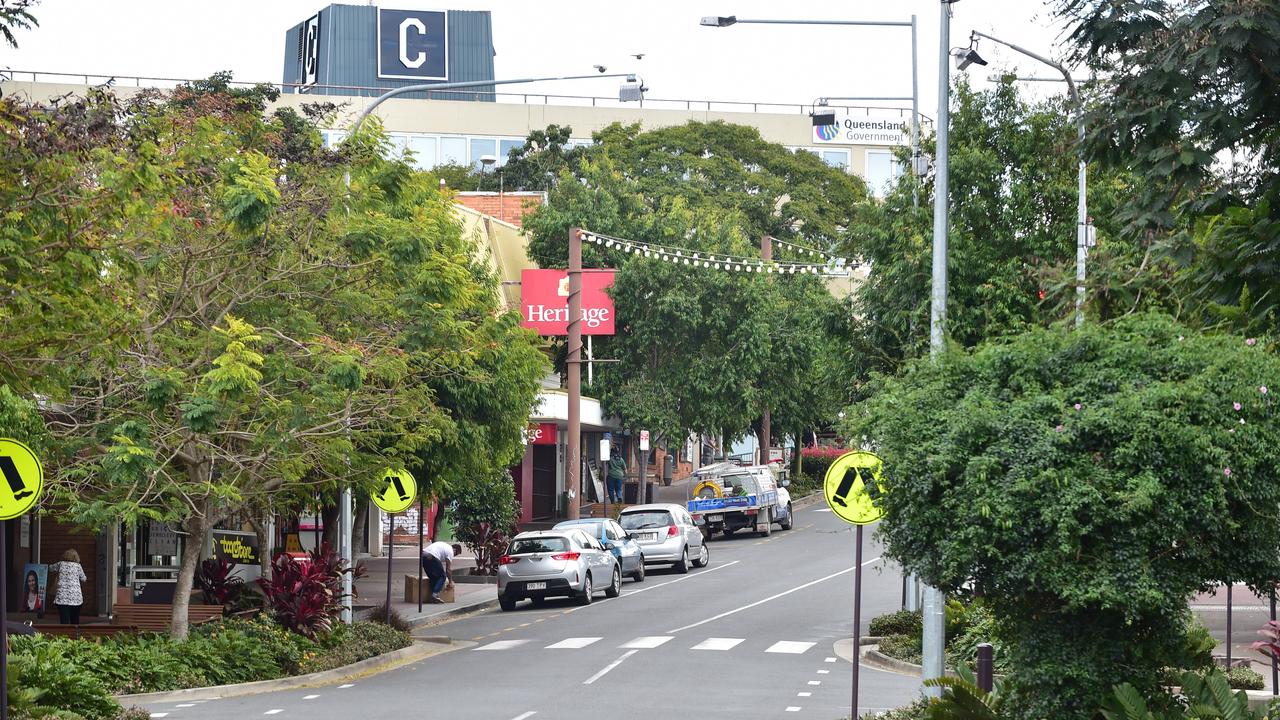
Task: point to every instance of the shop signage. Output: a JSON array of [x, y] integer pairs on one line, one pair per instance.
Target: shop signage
[[412, 45], [858, 129], [544, 301], [542, 434], [240, 549], [161, 539]]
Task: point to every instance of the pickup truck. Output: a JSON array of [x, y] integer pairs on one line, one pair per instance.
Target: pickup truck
[[730, 497]]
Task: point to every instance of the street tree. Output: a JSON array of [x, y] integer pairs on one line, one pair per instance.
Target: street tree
[[1086, 483], [701, 349]]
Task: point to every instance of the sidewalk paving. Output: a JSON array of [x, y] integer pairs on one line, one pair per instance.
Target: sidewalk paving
[[371, 590]]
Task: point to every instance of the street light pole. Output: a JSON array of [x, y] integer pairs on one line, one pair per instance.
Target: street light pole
[[932, 637], [1082, 214]]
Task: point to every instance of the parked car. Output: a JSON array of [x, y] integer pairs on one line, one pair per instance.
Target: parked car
[[733, 497], [615, 540], [667, 534], [556, 563]]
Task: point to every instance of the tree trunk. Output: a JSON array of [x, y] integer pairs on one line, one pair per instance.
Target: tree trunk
[[795, 461], [360, 528], [197, 528], [329, 514]]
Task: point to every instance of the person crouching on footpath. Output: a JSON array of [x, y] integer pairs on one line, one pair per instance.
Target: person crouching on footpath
[[437, 563]]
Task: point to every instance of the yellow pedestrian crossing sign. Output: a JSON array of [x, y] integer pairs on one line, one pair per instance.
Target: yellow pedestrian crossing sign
[[399, 492], [23, 479], [850, 484]]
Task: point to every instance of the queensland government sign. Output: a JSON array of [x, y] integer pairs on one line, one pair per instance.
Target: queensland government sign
[[858, 129], [544, 301]]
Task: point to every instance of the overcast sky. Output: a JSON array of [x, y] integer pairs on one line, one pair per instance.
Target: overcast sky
[[754, 63]]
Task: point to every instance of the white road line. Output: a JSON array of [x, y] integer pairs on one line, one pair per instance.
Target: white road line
[[159, 715], [344, 687], [789, 647], [646, 643], [804, 694], [823, 510], [815, 682], [691, 576], [609, 667], [277, 711], [186, 705], [310, 697], [717, 644], [824, 672], [829, 659], [501, 645], [573, 643], [529, 714], [771, 597], [792, 708]]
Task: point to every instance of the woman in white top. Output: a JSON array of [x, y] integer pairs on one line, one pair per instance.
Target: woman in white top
[[69, 597]]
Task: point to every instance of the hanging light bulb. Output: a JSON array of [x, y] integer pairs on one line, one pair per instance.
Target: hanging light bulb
[[608, 244], [737, 268]]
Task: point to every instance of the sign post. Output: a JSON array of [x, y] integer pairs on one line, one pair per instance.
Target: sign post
[[850, 487], [24, 480], [396, 497]]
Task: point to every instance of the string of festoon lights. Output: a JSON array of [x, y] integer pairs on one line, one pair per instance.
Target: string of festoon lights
[[716, 260]]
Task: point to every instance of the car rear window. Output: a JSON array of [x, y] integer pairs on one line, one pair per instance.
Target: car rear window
[[646, 519], [538, 545]]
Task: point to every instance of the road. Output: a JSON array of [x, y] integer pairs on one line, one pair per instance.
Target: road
[[750, 636]]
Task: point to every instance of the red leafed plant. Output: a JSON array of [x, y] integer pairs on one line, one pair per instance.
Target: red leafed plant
[[217, 583], [1270, 646], [488, 543], [306, 595]]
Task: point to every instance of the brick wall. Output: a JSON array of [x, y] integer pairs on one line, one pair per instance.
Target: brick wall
[[508, 207]]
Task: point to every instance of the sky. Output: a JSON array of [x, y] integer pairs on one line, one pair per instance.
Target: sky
[[534, 38]]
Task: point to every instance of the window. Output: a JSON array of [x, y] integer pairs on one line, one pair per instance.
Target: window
[[646, 519], [537, 545], [882, 170], [453, 150], [612, 531], [424, 151], [504, 149], [836, 158], [481, 147]]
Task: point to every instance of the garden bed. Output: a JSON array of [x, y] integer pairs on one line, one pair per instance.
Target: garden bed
[[82, 676]]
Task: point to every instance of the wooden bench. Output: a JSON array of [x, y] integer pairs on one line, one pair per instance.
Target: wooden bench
[[155, 618], [84, 631]]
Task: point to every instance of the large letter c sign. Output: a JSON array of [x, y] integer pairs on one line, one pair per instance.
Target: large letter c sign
[[421, 57]]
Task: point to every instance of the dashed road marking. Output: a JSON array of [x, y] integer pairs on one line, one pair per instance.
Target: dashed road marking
[[717, 644], [523, 716], [501, 645], [815, 682], [574, 643], [344, 687], [277, 711], [789, 647], [159, 715], [804, 694], [830, 659], [793, 708], [310, 697]]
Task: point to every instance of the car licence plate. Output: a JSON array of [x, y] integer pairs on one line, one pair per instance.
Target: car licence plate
[[536, 586], [646, 536], [715, 518]]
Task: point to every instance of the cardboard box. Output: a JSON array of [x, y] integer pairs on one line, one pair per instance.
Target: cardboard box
[[411, 590]]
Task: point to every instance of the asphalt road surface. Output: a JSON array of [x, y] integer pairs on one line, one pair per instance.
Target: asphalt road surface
[[750, 636]]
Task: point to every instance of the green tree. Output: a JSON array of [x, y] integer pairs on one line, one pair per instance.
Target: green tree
[[1012, 238], [1085, 482], [15, 15], [699, 349]]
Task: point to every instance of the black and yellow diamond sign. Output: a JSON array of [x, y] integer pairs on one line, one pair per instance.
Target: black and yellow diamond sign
[[23, 479], [399, 492], [851, 486]]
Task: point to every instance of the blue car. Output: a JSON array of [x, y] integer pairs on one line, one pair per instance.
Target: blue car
[[615, 540]]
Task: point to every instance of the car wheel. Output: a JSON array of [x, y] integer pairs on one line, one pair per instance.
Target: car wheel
[[638, 575], [615, 587], [508, 604], [728, 532], [683, 566], [704, 557], [587, 594], [765, 528], [786, 524]]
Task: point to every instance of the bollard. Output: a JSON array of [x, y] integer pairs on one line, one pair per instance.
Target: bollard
[[986, 667]]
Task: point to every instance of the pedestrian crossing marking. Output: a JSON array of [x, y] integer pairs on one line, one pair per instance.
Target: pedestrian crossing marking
[[647, 642], [502, 645], [789, 647], [717, 644], [574, 643], [830, 659], [804, 694]]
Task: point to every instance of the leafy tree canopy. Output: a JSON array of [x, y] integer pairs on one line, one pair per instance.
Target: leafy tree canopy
[[1086, 482]]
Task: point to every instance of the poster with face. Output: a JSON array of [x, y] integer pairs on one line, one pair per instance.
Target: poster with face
[[34, 580]]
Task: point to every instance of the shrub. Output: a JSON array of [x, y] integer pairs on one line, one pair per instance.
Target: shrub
[[917, 710], [356, 642], [1076, 478], [215, 580], [902, 622], [815, 460], [393, 619], [974, 625], [902, 647], [45, 683], [1207, 696], [483, 514], [306, 597]]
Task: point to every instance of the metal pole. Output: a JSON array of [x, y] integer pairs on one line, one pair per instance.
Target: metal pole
[[766, 254], [573, 470], [857, 614], [345, 518], [915, 118], [934, 607], [391, 548], [1230, 585], [644, 476], [986, 667], [421, 510], [4, 627], [591, 367], [1275, 666]]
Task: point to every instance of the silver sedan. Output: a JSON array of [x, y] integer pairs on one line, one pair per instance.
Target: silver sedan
[[556, 563]]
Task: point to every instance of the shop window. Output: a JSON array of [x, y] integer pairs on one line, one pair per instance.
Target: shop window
[[882, 170]]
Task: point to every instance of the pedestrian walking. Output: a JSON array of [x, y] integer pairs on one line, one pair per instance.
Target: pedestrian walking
[[437, 563], [616, 474], [69, 596]]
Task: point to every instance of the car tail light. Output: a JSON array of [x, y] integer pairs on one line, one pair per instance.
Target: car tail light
[[565, 556], [508, 560], [748, 512], [672, 531]]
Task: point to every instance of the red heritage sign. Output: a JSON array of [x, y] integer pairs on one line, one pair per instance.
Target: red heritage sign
[[542, 434], [544, 301]]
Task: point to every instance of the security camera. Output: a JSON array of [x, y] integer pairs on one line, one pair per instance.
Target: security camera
[[602, 68], [965, 57], [638, 56]]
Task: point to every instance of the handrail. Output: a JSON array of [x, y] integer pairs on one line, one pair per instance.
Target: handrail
[[512, 98]]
